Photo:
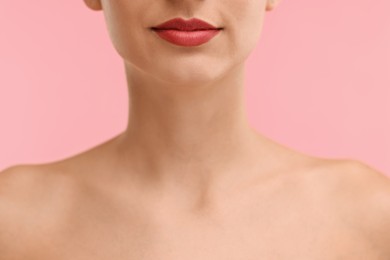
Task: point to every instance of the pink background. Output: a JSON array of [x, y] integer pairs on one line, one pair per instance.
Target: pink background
[[319, 80]]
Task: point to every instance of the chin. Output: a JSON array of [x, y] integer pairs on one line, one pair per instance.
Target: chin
[[190, 78], [187, 80], [193, 75]]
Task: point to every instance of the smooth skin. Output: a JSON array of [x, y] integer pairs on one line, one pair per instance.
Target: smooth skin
[[189, 178]]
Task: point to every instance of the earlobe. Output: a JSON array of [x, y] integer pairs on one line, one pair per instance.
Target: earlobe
[[94, 4], [271, 4]]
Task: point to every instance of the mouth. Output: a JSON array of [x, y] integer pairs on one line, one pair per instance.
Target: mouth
[[180, 24], [186, 33]]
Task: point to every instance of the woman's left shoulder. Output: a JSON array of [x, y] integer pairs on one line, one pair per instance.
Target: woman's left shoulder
[[362, 194], [351, 177], [361, 180]]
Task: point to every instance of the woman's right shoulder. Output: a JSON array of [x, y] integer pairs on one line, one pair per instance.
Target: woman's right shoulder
[[32, 183], [31, 196], [19, 184], [22, 187], [17, 177], [30, 187], [18, 180]]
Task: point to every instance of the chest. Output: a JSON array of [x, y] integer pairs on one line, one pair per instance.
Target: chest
[[294, 234], [281, 225]]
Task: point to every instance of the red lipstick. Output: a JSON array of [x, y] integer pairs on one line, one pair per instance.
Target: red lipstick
[[187, 33]]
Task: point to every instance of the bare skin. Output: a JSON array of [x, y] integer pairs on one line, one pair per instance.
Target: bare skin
[[310, 208], [189, 178]]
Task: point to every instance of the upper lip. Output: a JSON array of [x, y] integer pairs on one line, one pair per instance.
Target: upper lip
[[185, 25]]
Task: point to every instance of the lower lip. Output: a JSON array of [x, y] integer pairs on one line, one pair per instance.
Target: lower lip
[[187, 38]]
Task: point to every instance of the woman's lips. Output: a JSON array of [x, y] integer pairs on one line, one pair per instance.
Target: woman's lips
[[187, 38], [185, 25], [192, 32]]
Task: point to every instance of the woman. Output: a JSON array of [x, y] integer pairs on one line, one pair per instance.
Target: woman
[[189, 178]]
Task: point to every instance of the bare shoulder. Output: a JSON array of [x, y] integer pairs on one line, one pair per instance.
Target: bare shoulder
[[18, 186], [356, 180], [23, 187], [30, 198], [21, 181], [32, 186], [18, 180], [353, 177], [361, 194]]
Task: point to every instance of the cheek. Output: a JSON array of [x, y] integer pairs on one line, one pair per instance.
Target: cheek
[[125, 28], [240, 10], [244, 26]]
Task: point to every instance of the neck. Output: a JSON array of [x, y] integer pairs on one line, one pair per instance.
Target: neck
[[188, 133]]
